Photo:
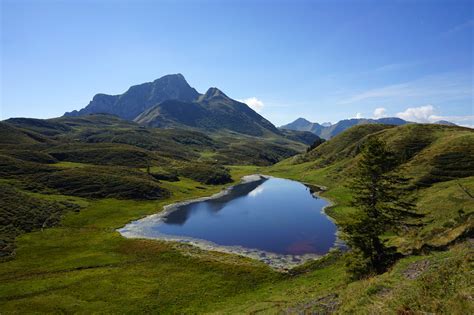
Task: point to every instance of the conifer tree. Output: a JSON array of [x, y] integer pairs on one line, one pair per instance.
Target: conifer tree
[[379, 196]]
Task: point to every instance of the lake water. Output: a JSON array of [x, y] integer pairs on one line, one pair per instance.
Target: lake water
[[267, 215]]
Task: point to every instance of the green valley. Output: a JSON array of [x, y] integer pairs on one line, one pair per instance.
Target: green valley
[[69, 183]]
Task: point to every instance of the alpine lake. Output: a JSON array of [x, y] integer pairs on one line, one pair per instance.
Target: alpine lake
[[278, 221]]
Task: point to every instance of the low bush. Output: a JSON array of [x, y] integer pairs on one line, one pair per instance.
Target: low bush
[[209, 174], [167, 176]]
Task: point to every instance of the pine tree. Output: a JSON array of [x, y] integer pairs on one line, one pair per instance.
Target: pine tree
[[378, 194]]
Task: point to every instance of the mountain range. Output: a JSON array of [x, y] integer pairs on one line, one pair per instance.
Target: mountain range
[[328, 130], [171, 102]]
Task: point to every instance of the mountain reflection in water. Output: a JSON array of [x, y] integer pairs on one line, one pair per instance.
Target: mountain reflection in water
[[270, 214]]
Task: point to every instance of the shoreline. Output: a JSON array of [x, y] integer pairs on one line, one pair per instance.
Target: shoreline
[[280, 262]]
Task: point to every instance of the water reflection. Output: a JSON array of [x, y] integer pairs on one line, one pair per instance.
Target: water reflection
[[273, 215], [257, 191], [179, 216]]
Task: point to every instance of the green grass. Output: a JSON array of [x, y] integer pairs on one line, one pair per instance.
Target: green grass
[[443, 286], [448, 209]]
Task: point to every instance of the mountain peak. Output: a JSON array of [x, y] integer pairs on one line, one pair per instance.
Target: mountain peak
[[140, 97], [302, 120], [172, 77], [213, 92]]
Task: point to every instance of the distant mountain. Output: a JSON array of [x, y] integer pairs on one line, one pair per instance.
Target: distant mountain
[[140, 97], [444, 122], [302, 124], [327, 131], [212, 111]]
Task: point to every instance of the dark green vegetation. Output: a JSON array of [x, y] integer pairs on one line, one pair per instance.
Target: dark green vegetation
[[378, 195], [82, 264], [109, 140], [22, 212], [209, 174]]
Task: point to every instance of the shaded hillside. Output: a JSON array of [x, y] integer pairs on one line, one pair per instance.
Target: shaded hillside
[[140, 97], [9, 134], [305, 137], [212, 111], [106, 139]]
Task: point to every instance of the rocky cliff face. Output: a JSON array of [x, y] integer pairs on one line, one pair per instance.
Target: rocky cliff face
[[138, 98]]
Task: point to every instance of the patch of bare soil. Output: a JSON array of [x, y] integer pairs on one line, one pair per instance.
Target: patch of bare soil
[[415, 269]]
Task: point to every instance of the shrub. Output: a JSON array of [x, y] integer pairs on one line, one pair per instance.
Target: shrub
[[209, 174]]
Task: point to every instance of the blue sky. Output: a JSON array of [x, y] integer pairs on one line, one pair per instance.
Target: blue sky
[[322, 60]]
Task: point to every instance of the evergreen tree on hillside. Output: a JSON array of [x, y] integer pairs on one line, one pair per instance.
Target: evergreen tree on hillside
[[378, 194]]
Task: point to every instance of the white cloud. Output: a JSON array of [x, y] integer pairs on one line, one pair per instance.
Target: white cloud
[[254, 103], [358, 115], [427, 114], [380, 113], [423, 114]]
